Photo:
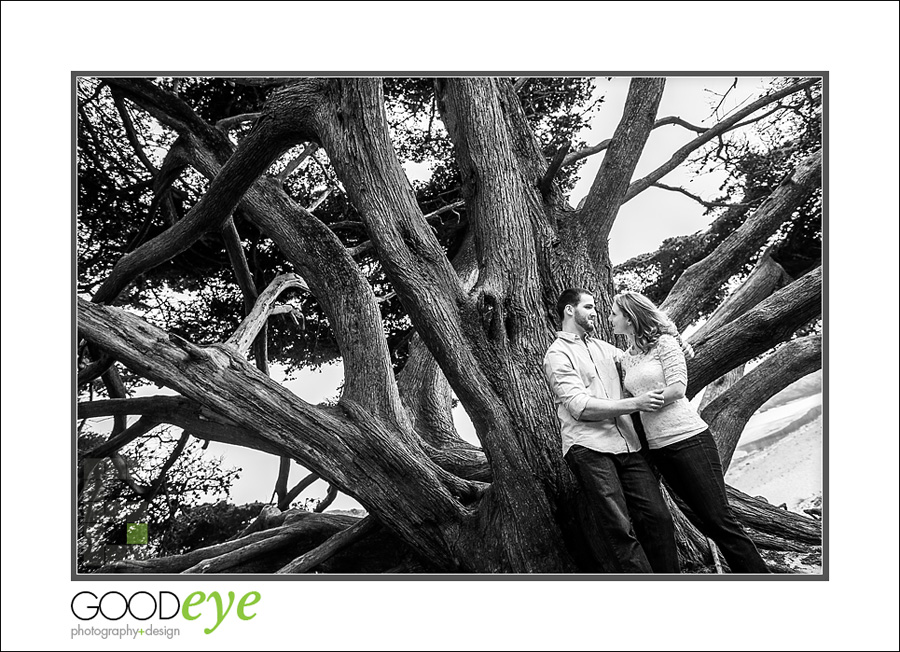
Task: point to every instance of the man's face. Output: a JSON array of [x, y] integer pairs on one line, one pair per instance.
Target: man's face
[[585, 315]]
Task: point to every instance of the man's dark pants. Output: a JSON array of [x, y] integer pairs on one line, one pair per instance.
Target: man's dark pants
[[634, 529]]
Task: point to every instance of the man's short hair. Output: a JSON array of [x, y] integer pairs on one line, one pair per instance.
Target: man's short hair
[[570, 297]]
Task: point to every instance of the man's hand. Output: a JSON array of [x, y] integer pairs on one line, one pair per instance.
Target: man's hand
[[649, 402]]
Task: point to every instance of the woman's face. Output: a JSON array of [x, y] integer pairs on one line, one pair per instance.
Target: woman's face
[[619, 322]]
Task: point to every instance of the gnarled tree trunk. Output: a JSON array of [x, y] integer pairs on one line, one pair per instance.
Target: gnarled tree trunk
[[482, 327]]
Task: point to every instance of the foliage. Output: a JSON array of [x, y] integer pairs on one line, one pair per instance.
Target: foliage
[[195, 294], [755, 165], [207, 524], [107, 504]]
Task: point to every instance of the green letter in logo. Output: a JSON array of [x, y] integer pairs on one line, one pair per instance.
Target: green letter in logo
[[190, 602], [247, 603]]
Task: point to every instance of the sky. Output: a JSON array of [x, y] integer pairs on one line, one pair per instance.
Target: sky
[[655, 214]]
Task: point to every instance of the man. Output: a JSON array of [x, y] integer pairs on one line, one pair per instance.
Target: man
[[600, 445]]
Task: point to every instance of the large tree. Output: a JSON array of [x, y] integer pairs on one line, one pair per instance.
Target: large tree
[[207, 207]]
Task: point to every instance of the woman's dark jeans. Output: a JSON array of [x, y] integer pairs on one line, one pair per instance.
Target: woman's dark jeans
[[621, 490], [693, 471]]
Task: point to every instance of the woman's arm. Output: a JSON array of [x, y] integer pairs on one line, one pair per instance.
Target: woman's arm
[[686, 349], [674, 368], [673, 392]]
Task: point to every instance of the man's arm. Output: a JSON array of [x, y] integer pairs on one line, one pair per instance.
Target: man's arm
[[566, 384], [598, 409]]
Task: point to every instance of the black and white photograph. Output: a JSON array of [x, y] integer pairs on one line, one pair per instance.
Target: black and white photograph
[[450, 325]]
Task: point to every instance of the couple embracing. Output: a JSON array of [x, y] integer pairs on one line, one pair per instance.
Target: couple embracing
[[596, 388]]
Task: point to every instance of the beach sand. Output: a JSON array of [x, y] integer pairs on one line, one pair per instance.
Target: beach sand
[[788, 471]]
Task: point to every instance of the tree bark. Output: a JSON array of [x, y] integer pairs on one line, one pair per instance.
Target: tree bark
[[93, 370], [178, 411], [139, 428], [772, 321], [303, 530], [352, 451], [704, 278], [719, 386], [612, 181], [324, 263], [426, 395], [766, 277], [281, 483], [467, 335], [770, 528], [573, 157], [212, 211], [309, 560], [244, 278], [284, 502], [582, 237], [247, 332], [466, 462], [773, 521]]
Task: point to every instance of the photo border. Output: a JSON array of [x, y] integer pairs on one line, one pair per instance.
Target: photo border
[[143, 577]]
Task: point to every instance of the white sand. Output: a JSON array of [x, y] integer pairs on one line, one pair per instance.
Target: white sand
[[763, 424], [789, 471]]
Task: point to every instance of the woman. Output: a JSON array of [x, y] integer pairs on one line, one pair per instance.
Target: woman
[[680, 444]]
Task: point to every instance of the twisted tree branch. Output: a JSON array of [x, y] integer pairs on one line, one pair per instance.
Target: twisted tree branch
[[336, 280], [354, 451], [243, 337], [728, 413], [585, 152], [131, 134], [609, 187], [772, 321], [309, 560], [704, 278], [233, 121], [289, 497]]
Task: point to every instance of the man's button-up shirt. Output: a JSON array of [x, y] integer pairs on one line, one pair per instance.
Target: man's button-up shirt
[[578, 370]]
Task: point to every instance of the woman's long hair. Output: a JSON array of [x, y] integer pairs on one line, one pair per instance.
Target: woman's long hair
[[649, 321]]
